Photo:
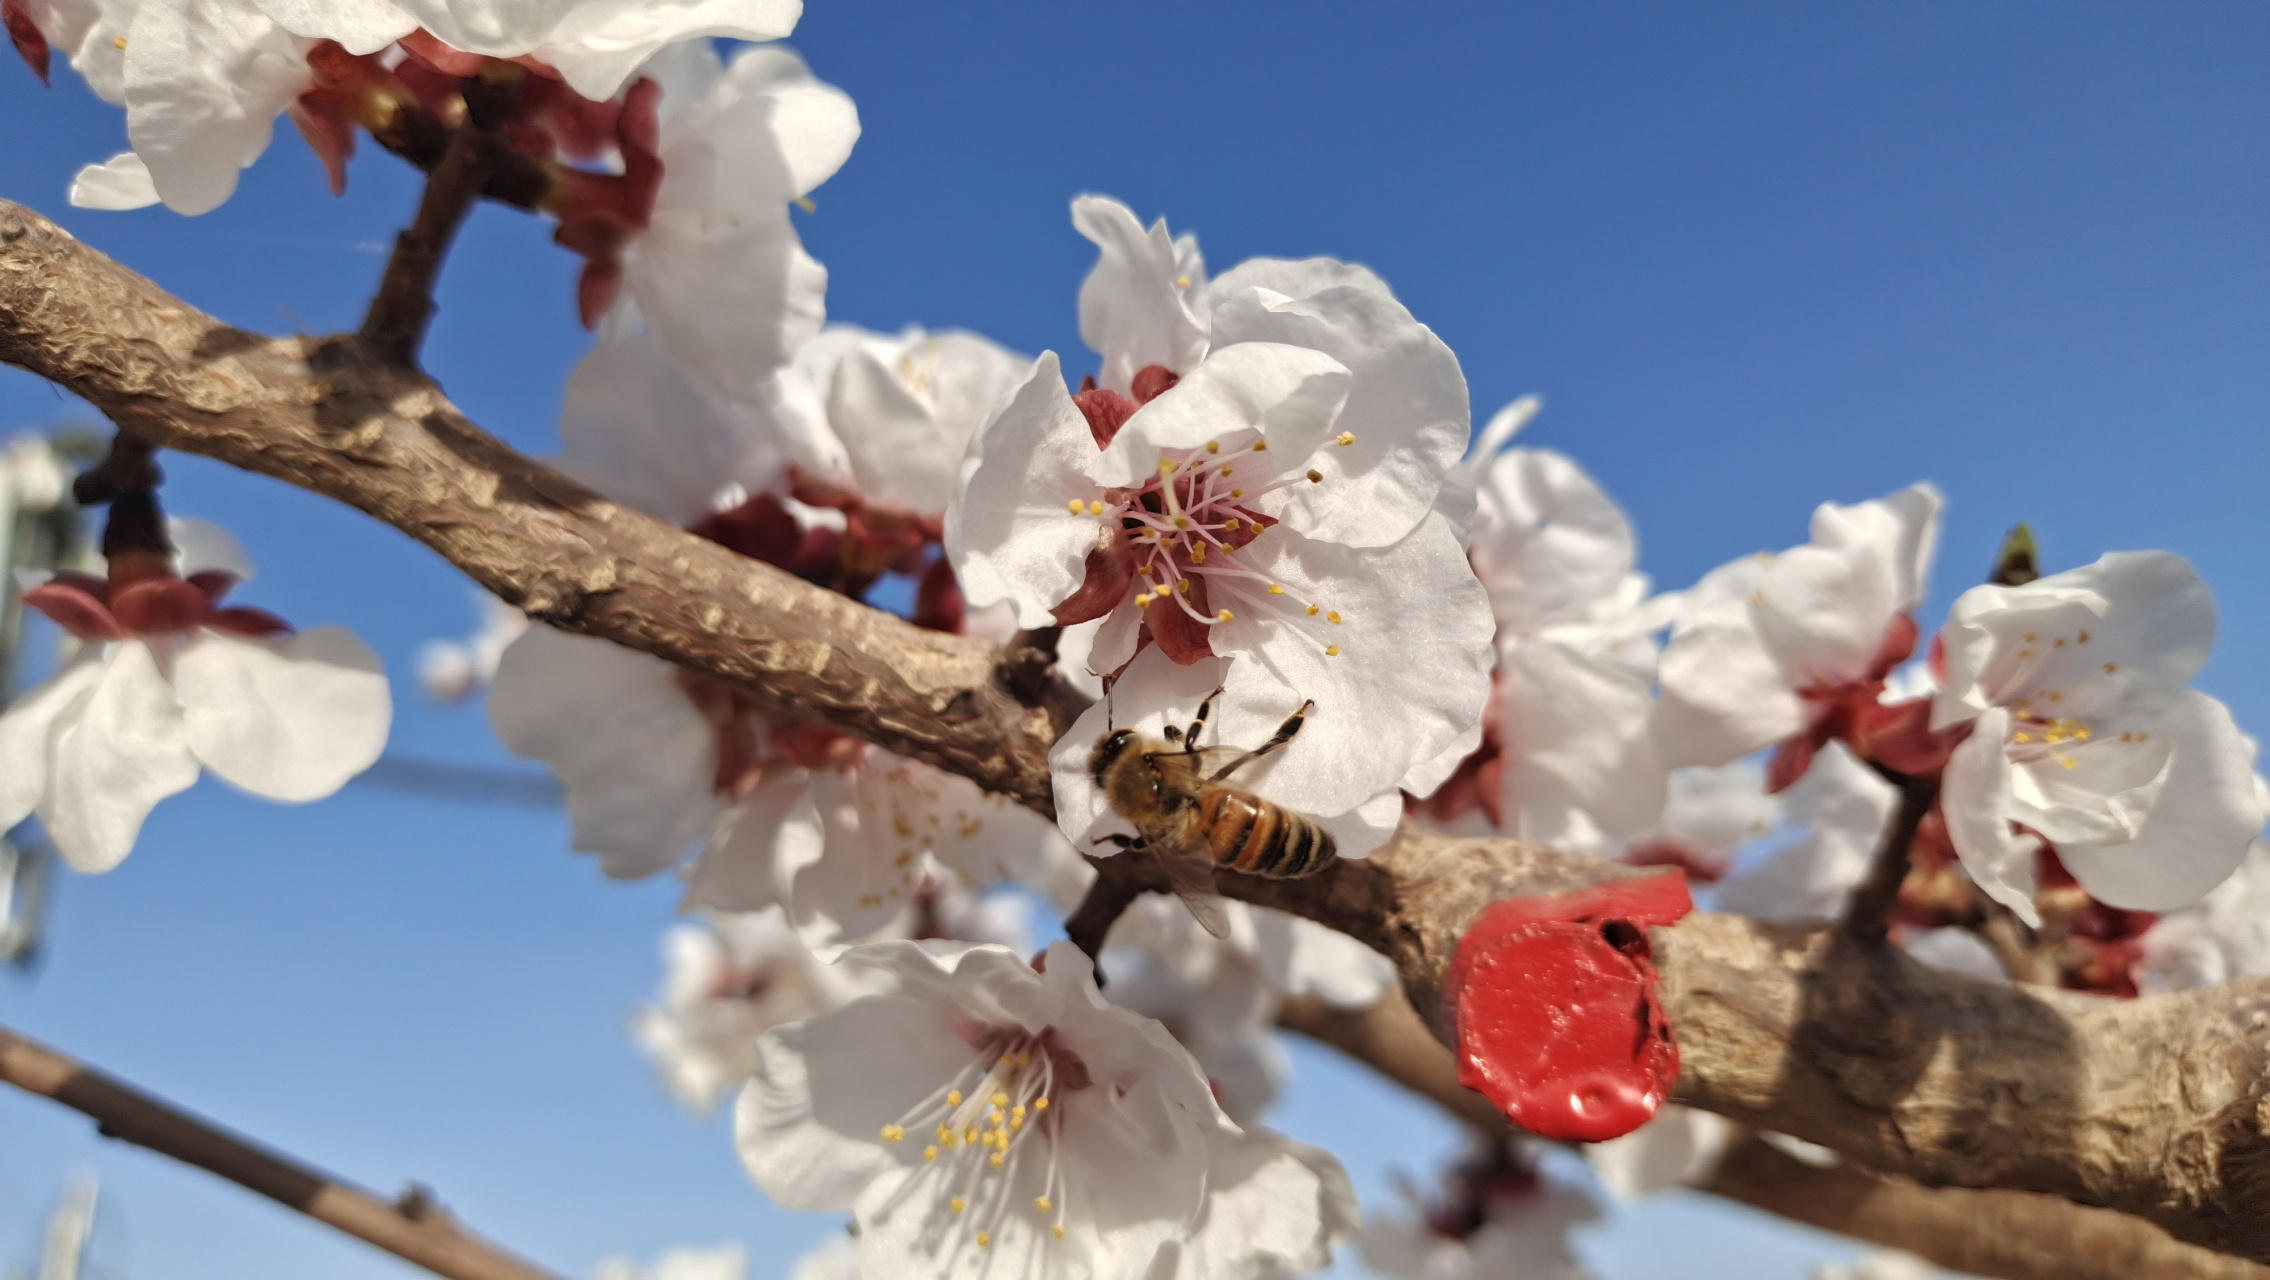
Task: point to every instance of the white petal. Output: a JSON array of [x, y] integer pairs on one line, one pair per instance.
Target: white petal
[[1293, 277], [121, 182], [1584, 720], [760, 843], [898, 454], [1546, 541], [1680, 1147], [363, 26], [1303, 958], [1132, 311], [1406, 418], [1723, 693], [123, 753], [806, 1125], [29, 730], [1274, 1207], [2147, 618], [635, 754], [1291, 395], [2207, 815], [635, 426], [1975, 798], [289, 719], [728, 303], [204, 85], [1826, 605], [200, 546], [1008, 530], [597, 58]]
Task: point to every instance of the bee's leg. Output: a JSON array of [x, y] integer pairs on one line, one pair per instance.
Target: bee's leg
[[1285, 733], [1123, 841], [1190, 735]]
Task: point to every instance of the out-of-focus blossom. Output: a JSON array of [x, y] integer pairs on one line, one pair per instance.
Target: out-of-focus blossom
[[2223, 936], [1498, 1220], [990, 1119], [724, 1262], [1678, 1148], [726, 981], [2084, 733], [835, 1258], [595, 45], [453, 670], [1708, 814], [168, 683], [1272, 501], [1884, 1264], [1790, 649], [904, 406], [1843, 807]]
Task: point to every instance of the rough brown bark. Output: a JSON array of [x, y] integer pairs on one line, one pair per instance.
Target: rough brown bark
[[413, 1228], [2013, 1235], [2158, 1107]]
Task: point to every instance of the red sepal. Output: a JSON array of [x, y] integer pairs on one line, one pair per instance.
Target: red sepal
[[938, 602], [259, 624], [159, 605], [1152, 381], [329, 132], [1106, 412], [1554, 1000], [422, 45], [1110, 576], [78, 610], [25, 35], [1183, 638]]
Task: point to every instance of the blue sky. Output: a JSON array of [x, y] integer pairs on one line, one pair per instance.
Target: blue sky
[[1753, 256]]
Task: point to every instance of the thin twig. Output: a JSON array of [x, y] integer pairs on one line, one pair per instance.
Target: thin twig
[[414, 1229], [1119, 881], [404, 305], [1868, 917]]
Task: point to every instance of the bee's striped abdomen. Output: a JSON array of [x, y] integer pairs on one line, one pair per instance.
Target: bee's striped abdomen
[[1249, 834]]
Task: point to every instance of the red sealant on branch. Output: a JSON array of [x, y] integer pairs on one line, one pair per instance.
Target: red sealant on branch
[[1558, 1020]]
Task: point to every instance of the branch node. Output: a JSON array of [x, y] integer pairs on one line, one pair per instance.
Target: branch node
[[1868, 917]]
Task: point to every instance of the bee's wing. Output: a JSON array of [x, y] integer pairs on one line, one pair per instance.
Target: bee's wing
[[1192, 880]]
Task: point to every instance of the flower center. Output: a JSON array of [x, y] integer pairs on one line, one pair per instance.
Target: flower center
[[1191, 522], [979, 1131]]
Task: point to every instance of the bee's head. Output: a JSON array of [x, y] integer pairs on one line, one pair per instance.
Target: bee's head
[[1115, 744]]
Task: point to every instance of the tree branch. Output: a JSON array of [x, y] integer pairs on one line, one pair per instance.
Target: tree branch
[[414, 1229], [2015, 1235], [2158, 1107], [396, 323]]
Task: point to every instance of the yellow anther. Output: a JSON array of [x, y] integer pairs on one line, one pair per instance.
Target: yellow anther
[[1315, 476], [930, 1153], [969, 1135], [996, 1116], [1225, 471], [119, 41], [1235, 493], [1332, 651], [2081, 732], [1074, 506], [954, 1098], [1002, 1099], [2021, 737], [1182, 282], [892, 1133], [1332, 617], [2056, 697], [1095, 508], [1213, 446], [2111, 667], [2025, 653], [1148, 570], [2031, 637], [1040, 1104], [1041, 1203], [2083, 637], [984, 1238], [1225, 616], [1276, 588], [1313, 608], [1346, 438], [1018, 1110], [805, 203], [2143, 737], [957, 1204], [1059, 1230], [1143, 601], [1198, 553], [994, 1159], [1261, 446], [1182, 522], [2068, 761], [1166, 466], [1231, 524], [1182, 585], [2057, 644]]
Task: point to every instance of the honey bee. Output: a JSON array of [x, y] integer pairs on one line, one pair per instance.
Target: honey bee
[[1188, 814]]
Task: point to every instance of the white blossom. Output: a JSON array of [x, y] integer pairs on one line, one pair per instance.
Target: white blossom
[[1760, 641], [990, 1119], [834, 1258], [595, 45], [452, 670], [1883, 1264], [904, 406], [1680, 1147], [2223, 936], [1499, 1219], [1842, 807], [1271, 501], [2086, 734], [166, 684], [719, 272]]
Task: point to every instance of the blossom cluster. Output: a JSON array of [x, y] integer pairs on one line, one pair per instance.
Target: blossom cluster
[[1258, 526]]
